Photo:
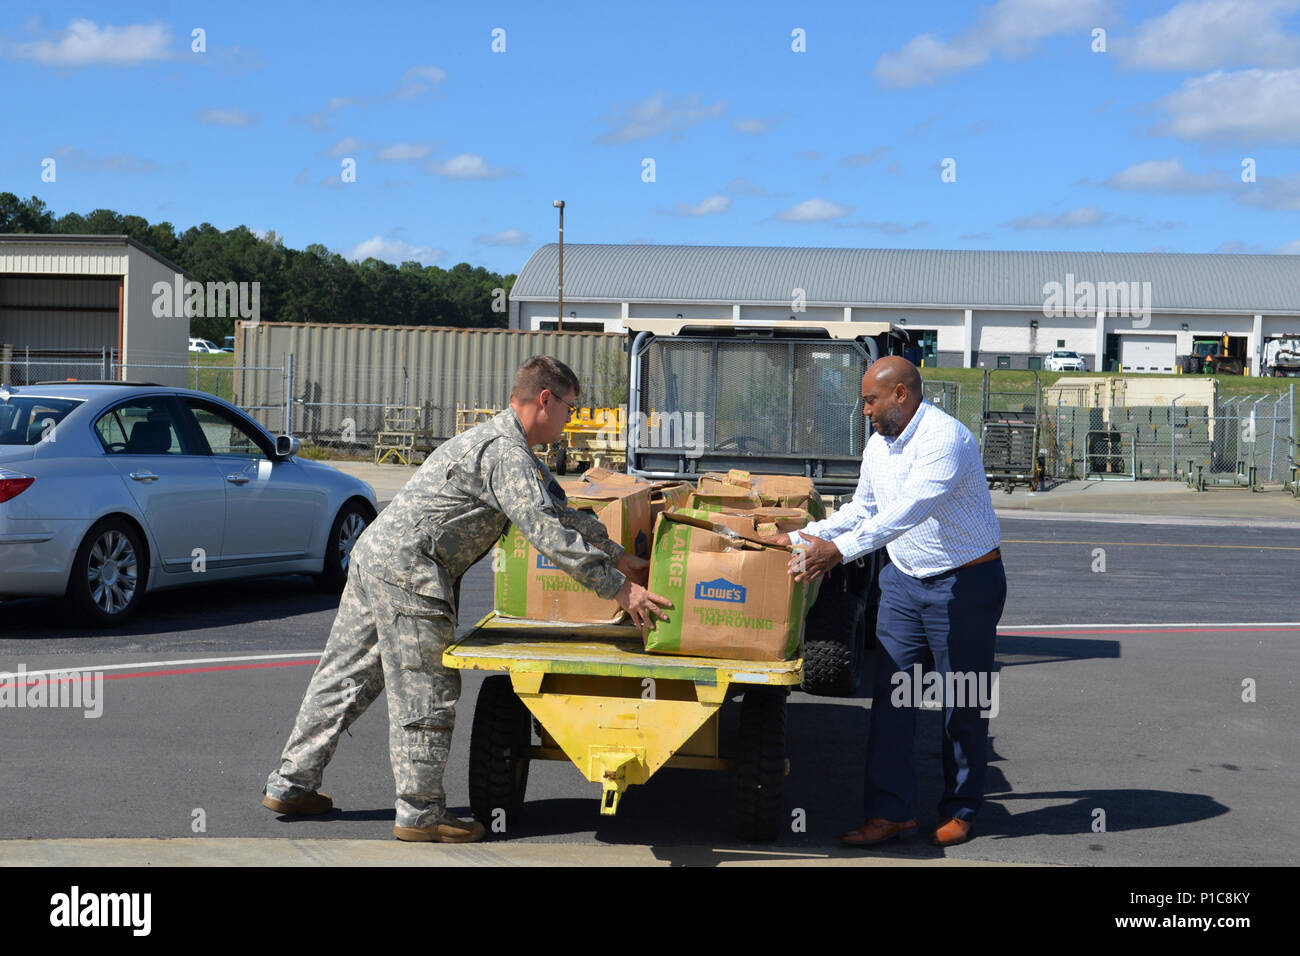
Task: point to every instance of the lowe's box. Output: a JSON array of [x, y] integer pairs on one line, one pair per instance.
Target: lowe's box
[[733, 596], [663, 494], [529, 585]]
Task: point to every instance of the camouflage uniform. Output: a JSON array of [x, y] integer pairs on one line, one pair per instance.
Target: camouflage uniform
[[398, 610]]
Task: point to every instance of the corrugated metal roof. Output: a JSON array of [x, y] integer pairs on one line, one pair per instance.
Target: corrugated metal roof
[[943, 278], [60, 253]]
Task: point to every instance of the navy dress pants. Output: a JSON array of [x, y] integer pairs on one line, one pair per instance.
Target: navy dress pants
[[947, 624]]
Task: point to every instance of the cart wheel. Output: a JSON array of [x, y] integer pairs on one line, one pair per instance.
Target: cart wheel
[[498, 753], [760, 764], [839, 633]]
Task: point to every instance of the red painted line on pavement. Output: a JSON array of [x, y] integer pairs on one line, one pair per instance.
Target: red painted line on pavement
[[1144, 630], [178, 670]]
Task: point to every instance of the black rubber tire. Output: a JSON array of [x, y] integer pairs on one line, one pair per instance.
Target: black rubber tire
[[760, 764], [498, 752], [840, 631], [333, 574], [80, 603]]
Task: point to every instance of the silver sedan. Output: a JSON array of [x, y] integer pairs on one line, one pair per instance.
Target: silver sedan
[[108, 491]]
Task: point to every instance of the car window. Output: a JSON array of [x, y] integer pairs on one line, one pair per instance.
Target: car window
[[226, 435], [141, 426], [25, 420]]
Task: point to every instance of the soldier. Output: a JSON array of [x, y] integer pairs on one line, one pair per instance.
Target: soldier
[[398, 610]]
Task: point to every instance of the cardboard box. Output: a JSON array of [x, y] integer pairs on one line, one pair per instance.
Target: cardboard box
[[529, 586], [663, 494], [714, 492], [771, 491], [790, 491], [732, 594], [769, 521]]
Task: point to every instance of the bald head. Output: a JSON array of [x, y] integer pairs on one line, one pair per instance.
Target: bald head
[[891, 394]]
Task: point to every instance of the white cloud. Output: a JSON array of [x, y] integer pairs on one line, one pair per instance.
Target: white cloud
[[654, 115], [1291, 248], [1008, 28], [83, 43], [711, 206], [348, 144], [864, 159], [752, 126], [1167, 175], [1250, 106], [813, 210], [402, 152], [464, 166], [392, 250], [1272, 192], [1206, 34], [430, 74], [744, 187], [216, 117], [1079, 218], [507, 237], [118, 163]]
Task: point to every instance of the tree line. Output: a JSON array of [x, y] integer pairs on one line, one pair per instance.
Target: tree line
[[297, 285]]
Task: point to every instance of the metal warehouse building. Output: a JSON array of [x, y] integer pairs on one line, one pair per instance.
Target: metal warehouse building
[[82, 307], [965, 309]]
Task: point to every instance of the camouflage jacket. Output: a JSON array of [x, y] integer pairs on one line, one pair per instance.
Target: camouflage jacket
[[458, 503]]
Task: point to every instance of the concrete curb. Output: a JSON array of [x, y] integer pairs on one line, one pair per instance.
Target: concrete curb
[[206, 852]]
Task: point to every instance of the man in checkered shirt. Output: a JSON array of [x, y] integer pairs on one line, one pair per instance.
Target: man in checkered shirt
[[923, 496]]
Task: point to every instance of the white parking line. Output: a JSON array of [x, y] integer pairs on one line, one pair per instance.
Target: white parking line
[[1047, 627], [194, 660]]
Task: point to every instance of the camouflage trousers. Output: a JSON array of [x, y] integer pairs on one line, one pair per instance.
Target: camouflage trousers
[[383, 636]]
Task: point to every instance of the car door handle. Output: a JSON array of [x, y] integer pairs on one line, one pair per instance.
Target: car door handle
[[237, 479], [144, 476]]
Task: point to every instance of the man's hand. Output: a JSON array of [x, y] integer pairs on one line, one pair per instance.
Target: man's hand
[[635, 569], [816, 557], [641, 605]]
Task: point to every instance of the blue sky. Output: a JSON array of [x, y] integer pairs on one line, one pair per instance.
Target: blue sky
[[459, 150]]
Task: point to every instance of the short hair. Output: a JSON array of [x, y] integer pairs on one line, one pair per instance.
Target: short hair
[[543, 372]]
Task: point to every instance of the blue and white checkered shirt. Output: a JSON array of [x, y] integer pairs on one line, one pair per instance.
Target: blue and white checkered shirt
[[923, 494]]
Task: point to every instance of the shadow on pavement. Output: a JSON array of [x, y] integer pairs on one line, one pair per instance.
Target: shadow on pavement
[[192, 607]]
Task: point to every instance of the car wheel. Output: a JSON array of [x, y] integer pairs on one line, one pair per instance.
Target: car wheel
[[109, 574], [352, 519]]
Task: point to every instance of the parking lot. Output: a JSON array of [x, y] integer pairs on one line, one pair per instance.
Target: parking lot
[[1122, 735]]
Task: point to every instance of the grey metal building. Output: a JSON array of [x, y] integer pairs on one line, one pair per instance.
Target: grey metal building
[[967, 309], [71, 305]]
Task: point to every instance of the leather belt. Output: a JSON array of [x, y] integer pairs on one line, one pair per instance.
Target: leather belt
[[982, 559]]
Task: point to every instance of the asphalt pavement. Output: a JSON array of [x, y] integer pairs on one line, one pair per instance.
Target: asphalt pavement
[[1147, 710]]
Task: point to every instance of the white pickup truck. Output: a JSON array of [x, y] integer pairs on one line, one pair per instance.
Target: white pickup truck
[[1282, 357]]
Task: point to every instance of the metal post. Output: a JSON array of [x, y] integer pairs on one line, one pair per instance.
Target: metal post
[[103, 361], [27, 365], [1272, 444], [196, 371], [559, 314], [288, 404], [284, 392], [1173, 436]]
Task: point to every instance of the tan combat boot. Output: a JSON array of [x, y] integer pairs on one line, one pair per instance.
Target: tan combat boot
[[445, 829]]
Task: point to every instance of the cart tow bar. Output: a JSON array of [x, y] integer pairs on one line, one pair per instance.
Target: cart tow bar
[[613, 765]]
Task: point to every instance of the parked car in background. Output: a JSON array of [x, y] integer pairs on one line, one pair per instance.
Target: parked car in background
[[205, 346], [228, 345], [109, 490], [1065, 360]]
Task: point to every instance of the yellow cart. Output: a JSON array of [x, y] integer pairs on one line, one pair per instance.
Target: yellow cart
[[619, 714]]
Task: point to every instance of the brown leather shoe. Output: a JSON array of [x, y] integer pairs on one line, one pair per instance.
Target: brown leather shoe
[[445, 829], [951, 832], [303, 805], [876, 831]]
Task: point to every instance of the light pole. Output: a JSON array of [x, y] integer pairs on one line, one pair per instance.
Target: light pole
[[559, 312]]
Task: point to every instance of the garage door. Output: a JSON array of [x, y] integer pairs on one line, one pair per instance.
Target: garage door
[[1147, 353]]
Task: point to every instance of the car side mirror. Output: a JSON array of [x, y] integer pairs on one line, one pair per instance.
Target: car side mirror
[[286, 446]]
